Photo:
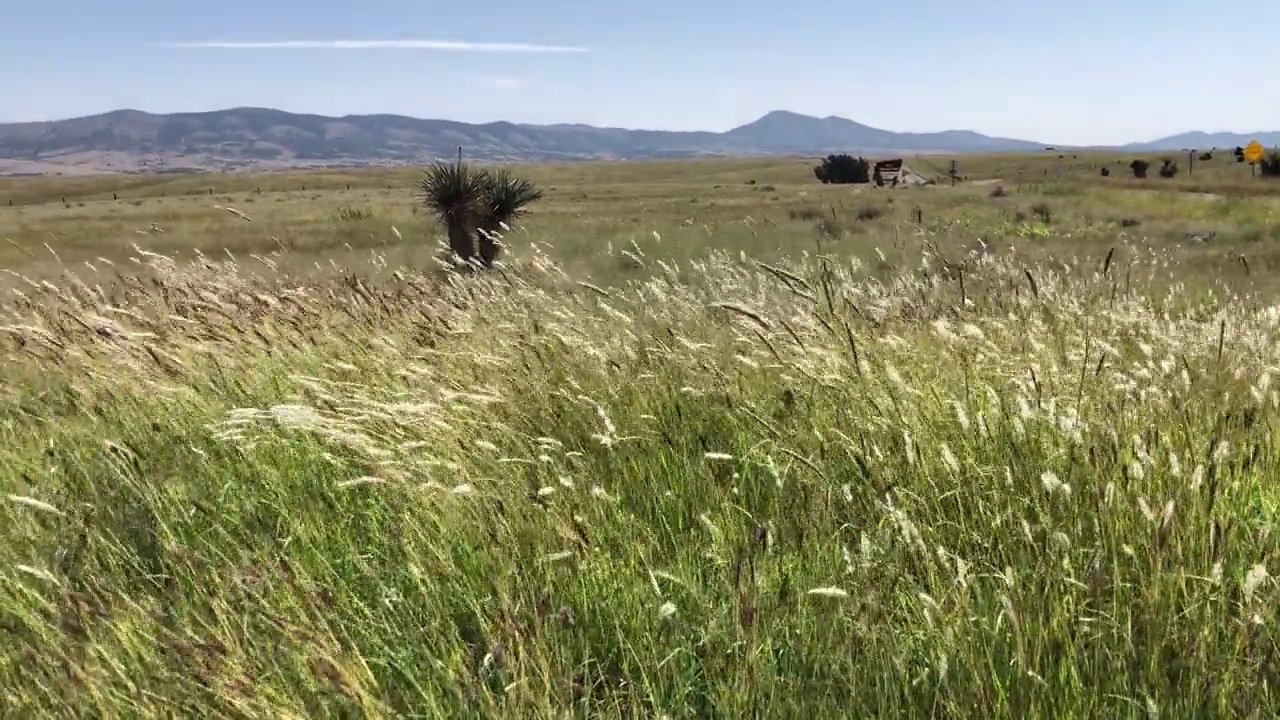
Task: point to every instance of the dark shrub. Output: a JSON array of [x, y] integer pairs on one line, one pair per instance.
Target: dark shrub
[[843, 170], [1139, 168], [1269, 166]]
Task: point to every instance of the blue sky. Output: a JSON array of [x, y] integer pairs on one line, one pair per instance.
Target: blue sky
[[1088, 71]]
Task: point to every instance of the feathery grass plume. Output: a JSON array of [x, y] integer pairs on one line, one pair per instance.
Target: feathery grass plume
[[34, 504], [746, 312], [233, 211]]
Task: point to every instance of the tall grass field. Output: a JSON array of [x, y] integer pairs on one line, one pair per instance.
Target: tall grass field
[[944, 484]]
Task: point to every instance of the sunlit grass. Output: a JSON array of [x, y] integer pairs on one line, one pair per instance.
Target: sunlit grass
[[729, 490]]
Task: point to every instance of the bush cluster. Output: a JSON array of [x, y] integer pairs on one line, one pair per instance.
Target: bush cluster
[[843, 169]]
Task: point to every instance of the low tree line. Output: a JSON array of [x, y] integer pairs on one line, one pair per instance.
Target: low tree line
[[1268, 166]]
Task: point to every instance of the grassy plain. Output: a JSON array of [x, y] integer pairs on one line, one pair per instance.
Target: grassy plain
[[720, 442], [763, 207]]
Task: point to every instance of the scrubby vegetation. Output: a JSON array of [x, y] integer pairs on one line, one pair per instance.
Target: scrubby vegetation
[[1269, 166], [731, 490], [843, 170], [1139, 168]]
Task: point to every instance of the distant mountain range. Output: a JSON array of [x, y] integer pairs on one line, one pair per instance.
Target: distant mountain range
[[238, 138], [1203, 141]]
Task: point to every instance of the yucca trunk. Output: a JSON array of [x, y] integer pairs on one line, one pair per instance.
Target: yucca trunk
[[462, 239], [488, 247]]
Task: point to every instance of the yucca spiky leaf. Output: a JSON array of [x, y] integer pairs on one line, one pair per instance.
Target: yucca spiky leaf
[[506, 198], [453, 191]]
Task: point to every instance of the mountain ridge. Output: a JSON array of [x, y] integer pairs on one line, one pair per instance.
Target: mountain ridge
[[1199, 139], [130, 140]]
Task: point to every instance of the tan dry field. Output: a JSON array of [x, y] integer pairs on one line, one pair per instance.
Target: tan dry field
[[766, 208]]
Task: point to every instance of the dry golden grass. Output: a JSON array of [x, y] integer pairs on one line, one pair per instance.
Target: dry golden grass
[[750, 466], [767, 208]]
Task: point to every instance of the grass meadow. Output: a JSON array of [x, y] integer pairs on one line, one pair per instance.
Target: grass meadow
[[717, 442]]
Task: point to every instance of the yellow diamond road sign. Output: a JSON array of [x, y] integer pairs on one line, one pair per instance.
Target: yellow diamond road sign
[[1253, 151]]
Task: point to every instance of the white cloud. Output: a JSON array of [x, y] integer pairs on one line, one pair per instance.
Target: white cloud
[[442, 45]]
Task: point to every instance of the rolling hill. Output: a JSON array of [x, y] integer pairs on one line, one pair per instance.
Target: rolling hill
[[242, 138], [1203, 141], [130, 140]]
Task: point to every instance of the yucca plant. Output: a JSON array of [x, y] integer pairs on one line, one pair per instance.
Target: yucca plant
[[474, 206], [506, 198], [456, 194]]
